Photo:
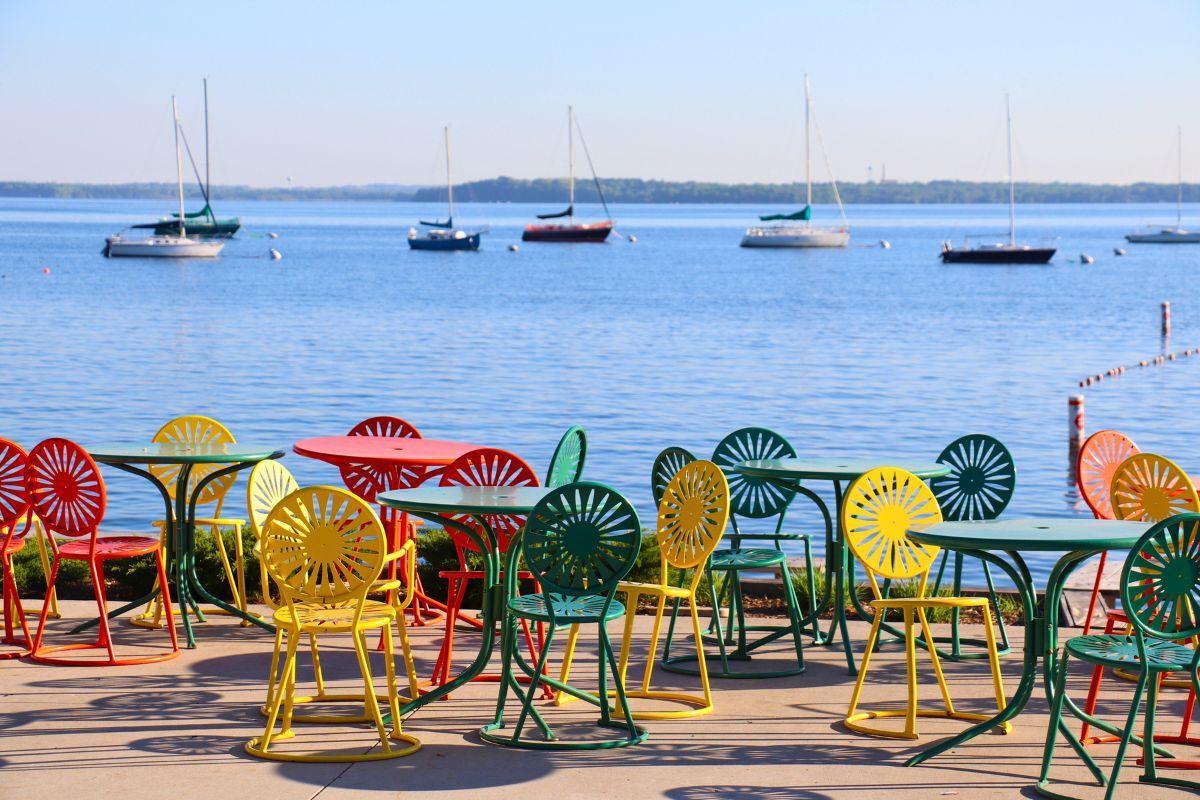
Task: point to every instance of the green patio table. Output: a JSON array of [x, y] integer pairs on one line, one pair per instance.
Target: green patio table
[[787, 474], [478, 503], [1001, 542], [181, 513]]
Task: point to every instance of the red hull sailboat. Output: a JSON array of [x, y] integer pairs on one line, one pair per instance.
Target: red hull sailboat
[[572, 231]]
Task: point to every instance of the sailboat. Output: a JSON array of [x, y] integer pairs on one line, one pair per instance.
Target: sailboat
[[203, 222], [1176, 235], [999, 252], [168, 245], [572, 231], [805, 235], [443, 235]]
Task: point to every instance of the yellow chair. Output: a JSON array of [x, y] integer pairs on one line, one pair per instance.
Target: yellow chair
[[325, 549], [195, 429], [270, 482], [879, 509], [692, 516]]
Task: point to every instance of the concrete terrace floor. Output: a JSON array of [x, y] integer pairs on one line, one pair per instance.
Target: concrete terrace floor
[[176, 730]]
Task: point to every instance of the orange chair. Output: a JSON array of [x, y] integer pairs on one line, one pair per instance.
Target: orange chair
[[68, 496], [14, 524], [1098, 460]]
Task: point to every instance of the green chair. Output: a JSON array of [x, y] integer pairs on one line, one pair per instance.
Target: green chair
[[566, 465], [750, 499], [1160, 593], [666, 464], [979, 486], [579, 542]]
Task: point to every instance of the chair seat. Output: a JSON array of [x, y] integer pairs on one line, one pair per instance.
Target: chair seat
[[110, 547], [334, 617], [202, 522], [653, 588], [566, 609], [14, 546], [1110, 649], [930, 602], [1116, 615], [748, 558]]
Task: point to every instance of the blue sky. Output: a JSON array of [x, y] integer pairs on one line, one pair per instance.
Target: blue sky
[[358, 92]]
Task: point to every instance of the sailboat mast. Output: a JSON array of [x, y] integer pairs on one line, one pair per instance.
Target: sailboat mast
[[1012, 216], [808, 148], [571, 161], [207, 173], [449, 185], [178, 166], [1179, 193]]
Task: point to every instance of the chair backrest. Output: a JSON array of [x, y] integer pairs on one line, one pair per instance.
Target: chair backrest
[[1099, 457], [754, 498], [195, 429], [879, 509], [692, 516], [14, 494], [1149, 488], [487, 466], [322, 544], [581, 539], [270, 482], [1160, 584], [368, 480], [65, 488], [981, 480], [566, 465], [666, 465]]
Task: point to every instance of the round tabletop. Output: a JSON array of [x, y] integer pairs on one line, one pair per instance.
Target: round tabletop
[[382, 450], [1034, 533], [834, 469], [181, 453], [465, 499]]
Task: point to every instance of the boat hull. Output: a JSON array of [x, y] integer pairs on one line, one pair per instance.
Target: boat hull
[[1017, 255], [591, 232], [815, 237], [1164, 237], [147, 249], [469, 242]]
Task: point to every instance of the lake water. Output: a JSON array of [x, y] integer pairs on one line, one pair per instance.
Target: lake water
[[674, 340]]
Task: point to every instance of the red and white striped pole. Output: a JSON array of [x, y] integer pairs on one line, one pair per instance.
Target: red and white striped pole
[[1075, 424], [1166, 318]]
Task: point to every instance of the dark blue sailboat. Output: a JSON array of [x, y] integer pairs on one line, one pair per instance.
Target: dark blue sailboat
[[443, 235]]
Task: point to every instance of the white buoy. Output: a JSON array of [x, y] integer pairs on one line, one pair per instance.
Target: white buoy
[[1117, 251], [275, 254], [633, 240], [272, 235], [1084, 258], [512, 248], [885, 244]]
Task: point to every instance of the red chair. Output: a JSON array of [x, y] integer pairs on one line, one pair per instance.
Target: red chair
[[368, 480], [1098, 460], [14, 524], [486, 466], [67, 494]]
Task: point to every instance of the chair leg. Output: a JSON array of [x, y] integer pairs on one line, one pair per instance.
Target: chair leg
[[45, 559], [622, 699], [535, 681], [716, 615], [215, 530], [866, 663], [97, 572], [161, 563], [655, 634], [410, 667], [393, 690], [285, 690], [812, 592], [1087, 622], [41, 630], [700, 663], [910, 653], [947, 701], [1093, 695], [364, 666], [794, 615], [1130, 722], [272, 676], [994, 599], [441, 668], [994, 660], [1150, 769], [564, 672], [240, 565], [1060, 693], [626, 639]]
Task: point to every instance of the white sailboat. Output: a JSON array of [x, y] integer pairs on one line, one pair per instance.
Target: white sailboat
[[806, 235], [1176, 235], [167, 245]]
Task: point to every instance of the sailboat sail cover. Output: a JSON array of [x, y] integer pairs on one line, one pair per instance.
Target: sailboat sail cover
[[803, 214], [570, 212], [449, 223]]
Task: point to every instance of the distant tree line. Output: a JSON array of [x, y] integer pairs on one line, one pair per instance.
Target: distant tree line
[[635, 190]]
